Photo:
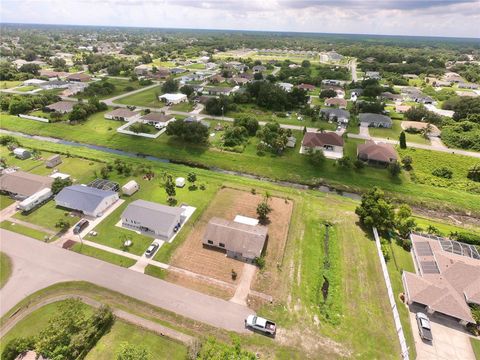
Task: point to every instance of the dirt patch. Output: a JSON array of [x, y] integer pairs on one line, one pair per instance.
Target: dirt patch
[[68, 244], [227, 204], [199, 285]]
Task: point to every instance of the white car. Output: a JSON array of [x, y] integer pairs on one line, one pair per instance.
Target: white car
[[151, 250], [424, 328]]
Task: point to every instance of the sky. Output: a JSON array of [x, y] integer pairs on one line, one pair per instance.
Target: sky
[[454, 18]]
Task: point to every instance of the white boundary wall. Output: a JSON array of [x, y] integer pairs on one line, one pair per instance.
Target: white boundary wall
[[393, 304], [36, 118]]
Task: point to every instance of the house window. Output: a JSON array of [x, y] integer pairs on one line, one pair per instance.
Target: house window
[[210, 242], [221, 245]]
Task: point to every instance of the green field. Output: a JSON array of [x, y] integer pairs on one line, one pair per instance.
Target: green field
[[476, 347], [25, 88], [8, 84], [103, 255], [147, 98], [5, 201], [24, 230], [5, 268], [159, 347], [47, 216], [394, 133], [289, 166], [183, 106], [121, 86]]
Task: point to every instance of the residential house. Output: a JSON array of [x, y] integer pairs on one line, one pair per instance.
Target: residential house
[[341, 103], [389, 96], [171, 99], [22, 184], [446, 278], [464, 85], [239, 240], [337, 115], [285, 86], [142, 70], [329, 142], [375, 120], [175, 71], [122, 114], [306, 87], [259, 68], [401, 109], [61, 107], [291, 142], [79, 77], [158, 119], [156, 220], [376, 153], [217, 79], [240, 80], [373, 75], [88, 200], [54, 84], [52, 75], [33, 82], [218, 90]]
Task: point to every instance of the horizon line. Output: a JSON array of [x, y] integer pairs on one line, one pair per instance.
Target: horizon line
[[240, 30]]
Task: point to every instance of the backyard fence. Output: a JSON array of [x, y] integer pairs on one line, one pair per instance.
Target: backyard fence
[[36, 118]]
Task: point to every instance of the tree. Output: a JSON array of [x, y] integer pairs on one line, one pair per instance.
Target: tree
[[273, 136], [213, 350], [30, 68], [376, 211], [192, 178], [170, 86], [248, 122], [170, 186], [62, 224], [58, 184], [443, 172], [316, 158], [258, 76], [327, 93], [19, 106], [16, 347], [305, 64], [263, 209], [129, 351], [394, 169], [187, 90], [234, 136], [404, 222], [407, 162], [139, 127], [474, 173], [193, 132], [403, 140], [345, 162]]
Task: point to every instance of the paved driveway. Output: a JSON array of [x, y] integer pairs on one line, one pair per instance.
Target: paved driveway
[[450, 341], [37, 265]]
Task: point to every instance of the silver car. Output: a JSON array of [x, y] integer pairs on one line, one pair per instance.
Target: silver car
[[151, 250], [424, 328]]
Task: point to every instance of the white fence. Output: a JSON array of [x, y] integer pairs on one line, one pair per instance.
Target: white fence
[[393, 304], [36, 118]]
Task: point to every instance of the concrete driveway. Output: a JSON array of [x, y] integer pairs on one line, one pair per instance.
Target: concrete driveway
[[364, 130], [37, 265], [450, 340]]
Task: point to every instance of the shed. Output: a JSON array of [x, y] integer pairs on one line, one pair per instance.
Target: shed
[[53, 161], [22, 153], [180, 182], [130, 188]]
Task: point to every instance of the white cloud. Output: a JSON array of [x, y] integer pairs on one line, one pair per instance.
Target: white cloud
[[397, 17]]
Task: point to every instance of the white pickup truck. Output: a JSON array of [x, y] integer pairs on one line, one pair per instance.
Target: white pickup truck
[[255, 322]]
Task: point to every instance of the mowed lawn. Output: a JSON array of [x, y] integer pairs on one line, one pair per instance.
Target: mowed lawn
[[476, 347], [5, 268], [147, 98], [394, 133], [289, 166], [5, 201], [24, 230], [47, 216], [102, 255], [158, 347]]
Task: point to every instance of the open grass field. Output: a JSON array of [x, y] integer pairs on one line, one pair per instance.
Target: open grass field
[[394, 133], [5, 201], [8, 84], [24, 230], [158, 347], [425, 162], [25, 88], [121, 86], [5, 268], [228, 203], [103, 255], [476, 347], [183, 106], [289, 166], [147, 98]]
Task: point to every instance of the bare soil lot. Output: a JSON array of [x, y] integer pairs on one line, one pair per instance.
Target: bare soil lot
[[227, 204]]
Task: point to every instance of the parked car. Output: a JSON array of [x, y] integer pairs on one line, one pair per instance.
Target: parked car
[[81, 225], [255, 322], [424, 328], [151, 250]]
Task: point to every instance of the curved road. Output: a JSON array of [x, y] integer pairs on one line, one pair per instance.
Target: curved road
[[37, 265]]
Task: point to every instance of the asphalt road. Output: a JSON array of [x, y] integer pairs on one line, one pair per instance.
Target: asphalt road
[[37, 265]]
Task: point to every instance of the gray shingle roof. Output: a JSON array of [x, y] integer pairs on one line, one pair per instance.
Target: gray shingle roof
[[82, 198], [23, 183], [371, 118], [157, 217]]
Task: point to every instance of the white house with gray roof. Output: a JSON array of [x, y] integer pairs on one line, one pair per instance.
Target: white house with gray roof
[[88, 200], [156, 220]]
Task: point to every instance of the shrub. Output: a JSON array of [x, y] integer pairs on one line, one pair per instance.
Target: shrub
[[443, 172], [259, 261], [16, 347], [474, 173]]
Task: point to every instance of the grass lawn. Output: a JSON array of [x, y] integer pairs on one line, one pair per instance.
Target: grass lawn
[[5, 268], [476, 347], [394, 133], [196, 66], [8, 84], [47, 216], [158, 347], [444, 227], [147, 98], [121, 86], [289, 166], [103, 255], [25, 165], [5, 201], [168, 64], [26, 88], [155, 271], [185, 106], [24, 230], [33, 323]]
